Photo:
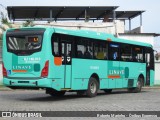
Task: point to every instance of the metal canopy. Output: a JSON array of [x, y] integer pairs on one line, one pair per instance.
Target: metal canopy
[[128, 14], [35, 12], [55, 13]]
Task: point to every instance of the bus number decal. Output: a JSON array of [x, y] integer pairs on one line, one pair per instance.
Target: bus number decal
[[94, 67], [32, 59]]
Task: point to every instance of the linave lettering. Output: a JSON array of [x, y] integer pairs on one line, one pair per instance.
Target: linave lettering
[[17, 67], [116, 72]]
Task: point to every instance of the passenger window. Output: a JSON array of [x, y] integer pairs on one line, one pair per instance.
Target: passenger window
[[138, 54], [84, 48], [80, 51], [149, 58], [126, 53], [55, 45], [89, 49], [113, 51], [80, 48], [100, 50], [56, 52], [88, 53]]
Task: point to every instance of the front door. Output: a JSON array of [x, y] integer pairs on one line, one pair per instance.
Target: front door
[[114, 78], [149, 59], [66, 62]]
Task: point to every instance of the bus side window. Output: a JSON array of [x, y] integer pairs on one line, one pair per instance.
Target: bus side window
[[134, 57], [80, 48], [126, 53], [149, 58], [88, 53], [56, 53], [113, 52], [84, 48], [79, 54], [138, 54], [55, 45], [100, 50]]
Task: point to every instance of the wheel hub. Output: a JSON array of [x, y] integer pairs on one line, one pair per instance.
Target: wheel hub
[[93, 87]]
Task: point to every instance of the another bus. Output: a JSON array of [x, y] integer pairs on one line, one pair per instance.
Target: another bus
[[60, 60]]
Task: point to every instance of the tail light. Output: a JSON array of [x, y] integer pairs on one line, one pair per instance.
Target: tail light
[[44, 72], [4, 71]]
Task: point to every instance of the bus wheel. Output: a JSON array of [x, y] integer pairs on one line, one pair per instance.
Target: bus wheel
[[108, 90], [138, 86], [55, 93], [92, 87]]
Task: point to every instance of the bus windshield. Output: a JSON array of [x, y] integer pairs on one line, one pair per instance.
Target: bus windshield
[[24, 42]]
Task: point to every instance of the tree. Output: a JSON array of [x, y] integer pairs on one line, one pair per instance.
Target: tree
[[157, 55], [28, 23], [4, 26], [1, 36]]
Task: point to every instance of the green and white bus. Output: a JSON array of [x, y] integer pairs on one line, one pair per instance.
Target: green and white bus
[[60, 60]]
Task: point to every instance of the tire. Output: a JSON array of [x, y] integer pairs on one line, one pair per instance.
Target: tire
[[108, 90], [55, 93], [138, 87], [93, 87]]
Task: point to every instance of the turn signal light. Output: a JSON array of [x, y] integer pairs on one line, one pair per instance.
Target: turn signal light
[[4, 71]]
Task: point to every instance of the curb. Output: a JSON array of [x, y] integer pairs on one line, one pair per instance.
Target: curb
[[151, 88]]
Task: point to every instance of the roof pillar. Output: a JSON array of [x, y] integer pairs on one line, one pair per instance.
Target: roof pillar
[[50, 15], [130, 24], [141, 19]]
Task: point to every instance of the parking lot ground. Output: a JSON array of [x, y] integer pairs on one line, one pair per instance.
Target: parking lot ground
[[118, 100]]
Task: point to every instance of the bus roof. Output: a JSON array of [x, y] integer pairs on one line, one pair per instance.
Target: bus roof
[[99, 35], [89, 34]]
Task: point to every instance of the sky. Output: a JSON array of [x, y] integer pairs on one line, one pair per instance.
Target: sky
[[151, 17]]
